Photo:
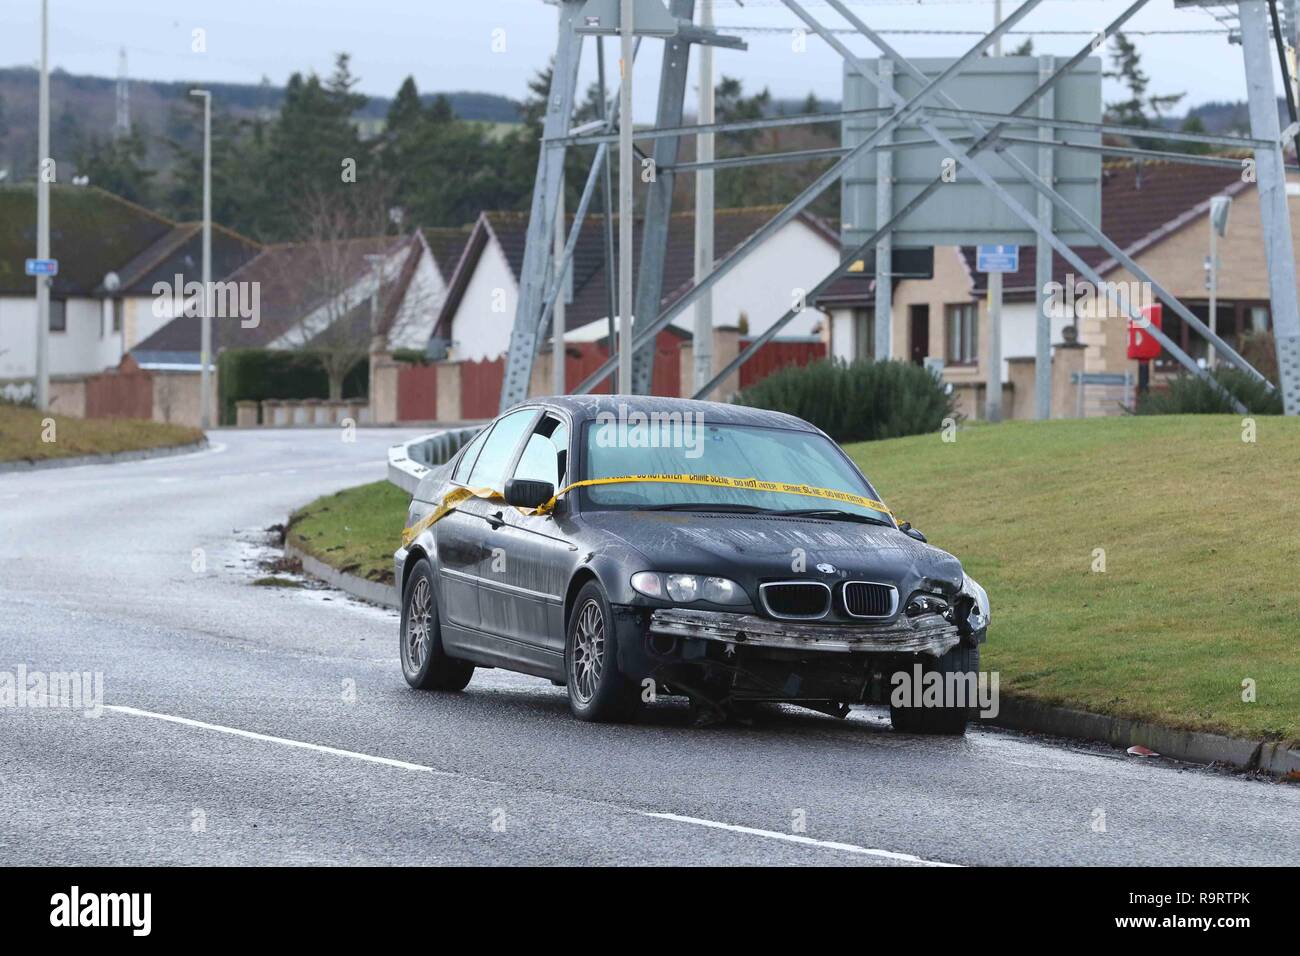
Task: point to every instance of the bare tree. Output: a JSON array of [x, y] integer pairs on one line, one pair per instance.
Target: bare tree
[[336, 288]]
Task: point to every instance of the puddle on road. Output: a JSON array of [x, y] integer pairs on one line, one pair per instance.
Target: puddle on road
[[260, 558]]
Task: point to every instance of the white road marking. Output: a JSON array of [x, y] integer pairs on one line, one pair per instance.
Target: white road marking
[[267, 738], [796, 838], [421, 768]]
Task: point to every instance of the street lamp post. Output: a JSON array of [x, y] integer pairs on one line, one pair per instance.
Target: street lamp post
[[703, 350], [625, 199], [1219, 206], [205, 335], [43, 174]]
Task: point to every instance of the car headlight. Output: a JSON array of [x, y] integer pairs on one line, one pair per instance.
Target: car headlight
[[979, 616], [688, 588]]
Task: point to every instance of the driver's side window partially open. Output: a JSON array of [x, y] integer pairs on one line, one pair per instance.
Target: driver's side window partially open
[[545, 457]]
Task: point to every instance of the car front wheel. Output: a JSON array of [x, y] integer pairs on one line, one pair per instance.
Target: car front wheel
[[949, 717], [425, 664], [598, 690]]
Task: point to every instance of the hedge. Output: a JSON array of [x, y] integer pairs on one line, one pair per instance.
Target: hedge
[[258, 374], [858, 401]]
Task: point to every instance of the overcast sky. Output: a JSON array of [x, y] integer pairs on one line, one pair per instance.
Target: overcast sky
[[447, 44]]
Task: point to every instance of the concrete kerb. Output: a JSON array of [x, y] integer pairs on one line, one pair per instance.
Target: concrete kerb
[[1189, 746], [372, 591], [138, 454]]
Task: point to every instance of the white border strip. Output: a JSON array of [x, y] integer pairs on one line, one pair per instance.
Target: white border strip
[[267, 738], [421, 768], [796, 838]]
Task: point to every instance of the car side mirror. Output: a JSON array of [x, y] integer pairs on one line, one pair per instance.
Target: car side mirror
[[526, 493], [907, 529]]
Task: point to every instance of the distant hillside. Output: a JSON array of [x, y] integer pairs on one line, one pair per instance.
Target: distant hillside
[[83, 106]]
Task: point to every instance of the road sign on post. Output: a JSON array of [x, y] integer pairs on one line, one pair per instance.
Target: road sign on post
[[997, 258], [42, 267]]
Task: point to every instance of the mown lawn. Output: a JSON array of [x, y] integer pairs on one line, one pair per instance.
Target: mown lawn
[[1200, 533], [22, 434], [1201, 539], [356, 530]]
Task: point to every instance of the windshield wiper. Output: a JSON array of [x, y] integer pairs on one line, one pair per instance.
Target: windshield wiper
[[704, 506], [833, 513]]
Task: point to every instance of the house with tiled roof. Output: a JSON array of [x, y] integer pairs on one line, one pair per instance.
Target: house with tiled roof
[[112, 253], [305, 287], [477, 316], [1157, 212]]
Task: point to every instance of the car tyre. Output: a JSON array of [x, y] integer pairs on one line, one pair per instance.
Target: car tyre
[[425, 664], [948, 719], [598, 690]]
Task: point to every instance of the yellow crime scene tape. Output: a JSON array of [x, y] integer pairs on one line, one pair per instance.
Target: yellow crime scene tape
[[457, 495]]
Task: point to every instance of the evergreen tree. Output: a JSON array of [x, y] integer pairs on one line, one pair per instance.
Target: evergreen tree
[[238, 165], [405, 111], [117, 165], [313, 146], [1140, 109]]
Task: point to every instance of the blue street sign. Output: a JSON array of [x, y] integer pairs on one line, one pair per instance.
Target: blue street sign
[[42, 267], [997, 258]]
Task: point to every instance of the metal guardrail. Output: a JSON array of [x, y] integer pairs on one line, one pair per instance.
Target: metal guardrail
[[410, 461]]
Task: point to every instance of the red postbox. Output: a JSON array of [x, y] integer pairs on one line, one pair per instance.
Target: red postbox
[[1141, 344]]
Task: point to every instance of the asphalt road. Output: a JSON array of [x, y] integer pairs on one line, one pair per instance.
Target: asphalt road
[[258, 725]]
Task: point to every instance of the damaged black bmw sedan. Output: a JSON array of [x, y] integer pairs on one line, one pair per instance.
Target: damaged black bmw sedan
[[632, 546]]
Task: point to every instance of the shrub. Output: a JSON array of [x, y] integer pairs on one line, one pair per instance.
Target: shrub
[[259, 374], [1260, 350], [1193, 395], [410, 356], [858, 401]]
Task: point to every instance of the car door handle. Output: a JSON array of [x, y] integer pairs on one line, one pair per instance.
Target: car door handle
[[496, 520]]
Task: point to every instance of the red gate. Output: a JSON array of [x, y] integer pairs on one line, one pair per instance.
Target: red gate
[[480, 388], [585, 357], [776, 355], [124, 392], [417, 393]]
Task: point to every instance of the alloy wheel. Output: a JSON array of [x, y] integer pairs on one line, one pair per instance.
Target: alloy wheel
[[588, 651], [418, 622]]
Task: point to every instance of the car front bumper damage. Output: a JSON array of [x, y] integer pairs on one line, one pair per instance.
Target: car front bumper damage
[[926, 634]]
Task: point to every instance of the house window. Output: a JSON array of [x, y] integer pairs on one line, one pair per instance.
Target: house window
[[119, 307], [962, 332], [864, 334], [1233, 320], [58, 315]]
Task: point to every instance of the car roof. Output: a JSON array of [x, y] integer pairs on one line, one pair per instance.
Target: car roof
[[590, 407]]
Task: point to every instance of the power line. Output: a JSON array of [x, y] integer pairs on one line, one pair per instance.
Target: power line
[[846, 30]]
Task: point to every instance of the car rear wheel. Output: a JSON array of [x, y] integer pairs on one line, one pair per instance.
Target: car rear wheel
[[947, 718], [425, 664], [598, 690]]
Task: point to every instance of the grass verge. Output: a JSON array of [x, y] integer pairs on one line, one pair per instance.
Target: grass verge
[[356, 530], [1197, 531], [23, 432]]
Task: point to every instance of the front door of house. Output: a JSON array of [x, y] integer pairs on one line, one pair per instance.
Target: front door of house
[[919, 325]]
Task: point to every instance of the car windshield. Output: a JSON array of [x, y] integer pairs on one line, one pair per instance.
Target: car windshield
[[731, 451]]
